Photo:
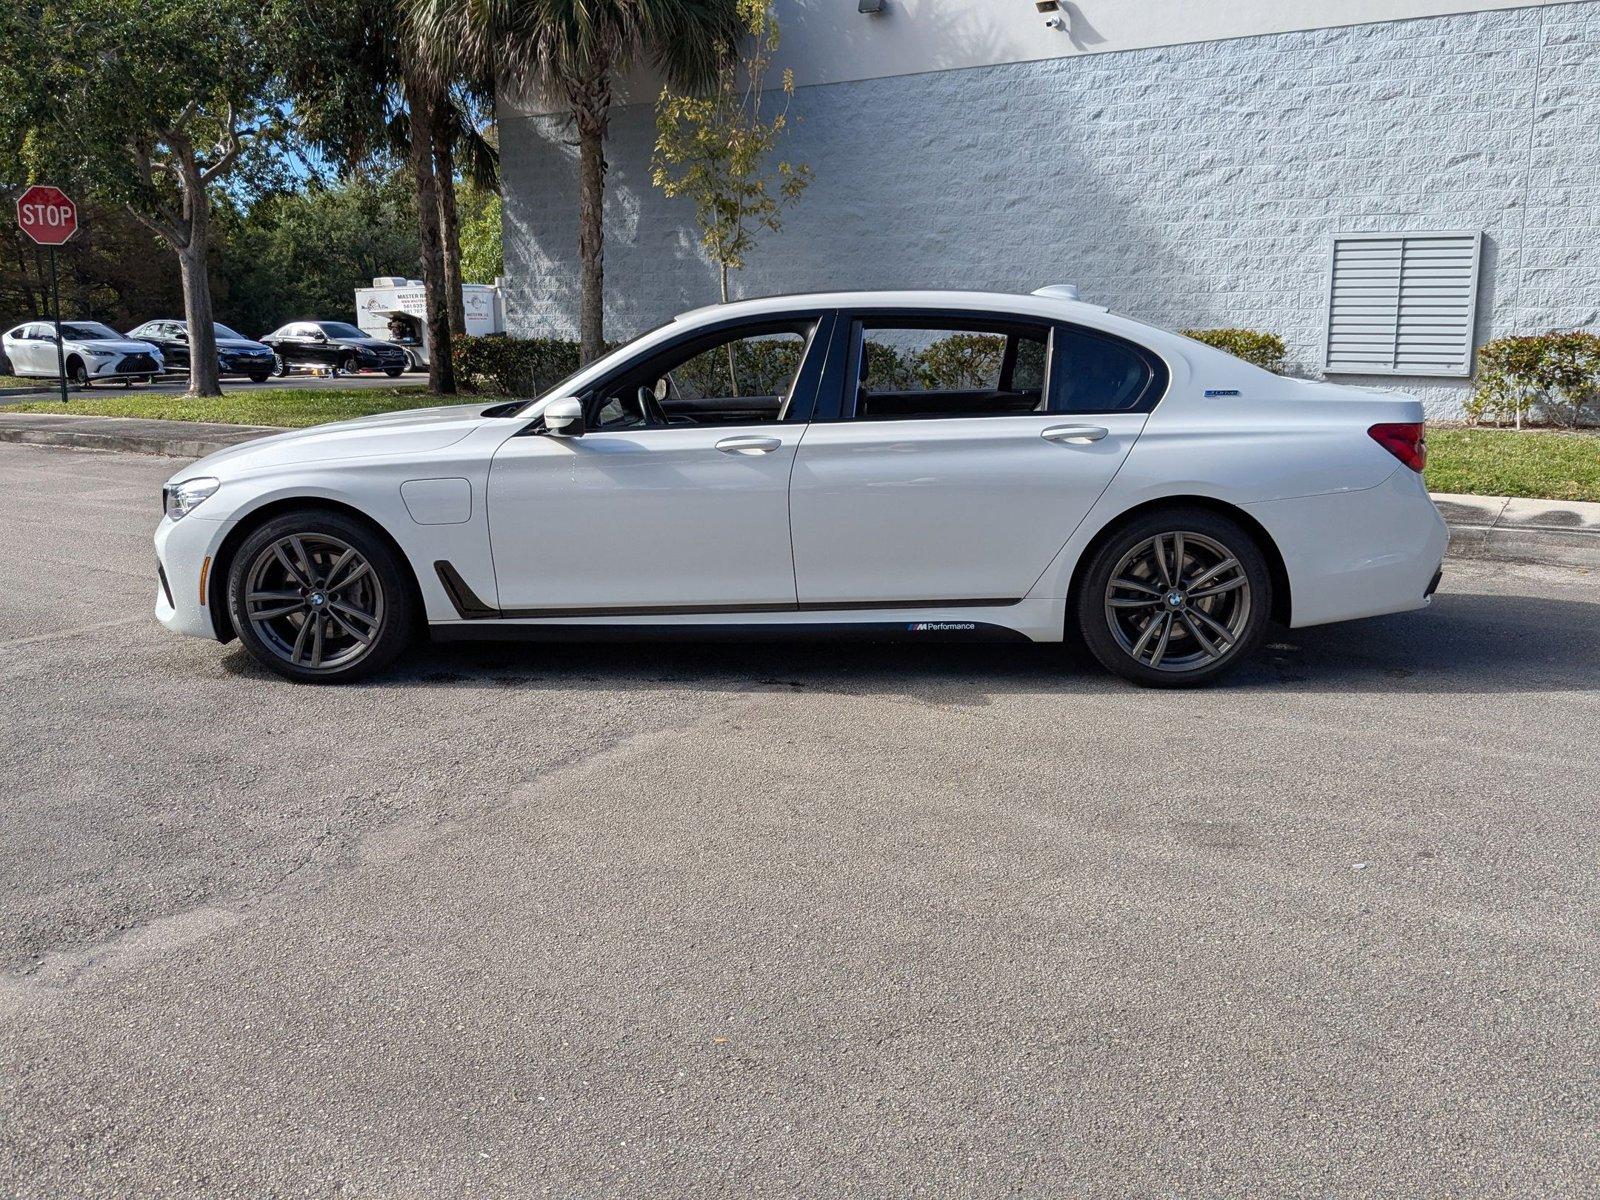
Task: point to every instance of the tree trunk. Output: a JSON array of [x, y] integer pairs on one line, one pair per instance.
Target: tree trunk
[[444, 166], [591, 236], [195, 271], [424, 105]]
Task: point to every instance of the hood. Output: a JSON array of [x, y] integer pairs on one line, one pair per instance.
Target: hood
[[370, 342], [415, 431], [241, 344], [112, 345]]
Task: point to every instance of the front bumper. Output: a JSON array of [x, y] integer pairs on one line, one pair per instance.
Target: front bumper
[[185, 552], [126, 366]]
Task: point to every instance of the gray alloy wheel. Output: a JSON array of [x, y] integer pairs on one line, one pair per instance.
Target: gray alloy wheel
[[1175, 598], [319, 597], [78, 372], [1178, 601], [314, 601], [280, 365]]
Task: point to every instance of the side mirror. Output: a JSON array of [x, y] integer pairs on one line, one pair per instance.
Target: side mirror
[[182, 335], [564, 417]]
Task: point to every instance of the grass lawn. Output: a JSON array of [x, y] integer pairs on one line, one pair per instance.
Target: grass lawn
[[16, 381], [1505, 462], [289, 408]]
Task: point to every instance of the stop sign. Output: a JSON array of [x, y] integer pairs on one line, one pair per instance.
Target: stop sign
[[46, 215]]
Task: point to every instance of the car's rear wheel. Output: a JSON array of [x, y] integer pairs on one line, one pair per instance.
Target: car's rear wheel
[[319, 598], [1175, 599]]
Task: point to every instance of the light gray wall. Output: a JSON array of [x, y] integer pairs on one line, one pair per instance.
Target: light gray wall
[[1188, 185]]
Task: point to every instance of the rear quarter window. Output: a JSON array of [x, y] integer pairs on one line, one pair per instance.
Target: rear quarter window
[[1097, 372]]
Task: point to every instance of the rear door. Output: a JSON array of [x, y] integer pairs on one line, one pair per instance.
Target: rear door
[[965, 449]]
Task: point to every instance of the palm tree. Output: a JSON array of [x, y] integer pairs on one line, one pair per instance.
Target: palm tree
[[574, 51]]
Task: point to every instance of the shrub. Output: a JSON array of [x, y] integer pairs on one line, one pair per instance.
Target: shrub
[[1556, 371], [512, 365], [1265, 350]]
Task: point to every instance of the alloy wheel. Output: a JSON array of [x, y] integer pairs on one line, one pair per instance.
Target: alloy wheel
[[1178, 601], [314, 601]]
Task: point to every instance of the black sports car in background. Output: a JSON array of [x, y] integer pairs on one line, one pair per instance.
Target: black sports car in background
[[236, 354], [334, 344]]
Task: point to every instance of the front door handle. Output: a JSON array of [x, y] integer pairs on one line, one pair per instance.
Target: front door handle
[[749, 445], [1073, 433]]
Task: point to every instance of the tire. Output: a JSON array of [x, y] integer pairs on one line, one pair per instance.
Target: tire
[[393, 372], [78, 373], [277, 616], [348, 365], [280, 366], [1188, 639], [259, 378]]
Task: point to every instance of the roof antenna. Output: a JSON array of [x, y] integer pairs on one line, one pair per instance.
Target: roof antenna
[[1059, 291]]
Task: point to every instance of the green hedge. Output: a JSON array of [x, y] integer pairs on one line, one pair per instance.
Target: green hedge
[[1555, 374], [512, 365], [1265, 350]]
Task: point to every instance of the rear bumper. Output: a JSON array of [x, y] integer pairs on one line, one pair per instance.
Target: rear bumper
[[1358, 554]]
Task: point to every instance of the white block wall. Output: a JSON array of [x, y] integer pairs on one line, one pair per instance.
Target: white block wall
[[1191, 185]]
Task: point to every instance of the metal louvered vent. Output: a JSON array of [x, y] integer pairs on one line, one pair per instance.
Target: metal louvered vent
[[1402, 304]]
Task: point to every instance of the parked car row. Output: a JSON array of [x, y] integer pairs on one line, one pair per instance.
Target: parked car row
[[93, 353]]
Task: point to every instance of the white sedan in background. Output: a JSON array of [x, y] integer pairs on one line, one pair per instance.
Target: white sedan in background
[[91, 352], [930, 465]]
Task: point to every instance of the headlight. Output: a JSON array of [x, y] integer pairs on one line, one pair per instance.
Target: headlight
[[180, 499]]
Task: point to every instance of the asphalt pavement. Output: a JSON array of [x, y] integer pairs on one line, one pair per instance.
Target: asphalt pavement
[[757, 920]]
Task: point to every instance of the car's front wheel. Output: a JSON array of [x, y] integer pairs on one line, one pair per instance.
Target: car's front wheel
[[1175, 599], [319, 598]]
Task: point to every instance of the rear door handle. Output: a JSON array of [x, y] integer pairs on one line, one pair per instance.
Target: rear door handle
[[1073, 433], [749, 445]]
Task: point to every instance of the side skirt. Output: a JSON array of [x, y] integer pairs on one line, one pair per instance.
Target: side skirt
[[871, 631]]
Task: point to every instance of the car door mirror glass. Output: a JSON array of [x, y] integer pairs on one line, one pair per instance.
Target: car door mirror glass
[[564, 417], [663, 388]]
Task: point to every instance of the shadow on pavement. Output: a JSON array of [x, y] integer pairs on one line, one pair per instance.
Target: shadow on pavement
[[1464, 643]]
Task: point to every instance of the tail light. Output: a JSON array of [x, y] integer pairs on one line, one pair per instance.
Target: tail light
[[1405, 442]]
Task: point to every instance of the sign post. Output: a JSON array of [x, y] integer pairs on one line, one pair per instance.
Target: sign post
[[47, 216]]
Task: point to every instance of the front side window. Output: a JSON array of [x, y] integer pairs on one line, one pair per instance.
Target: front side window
[[908, 370], [738, 377]]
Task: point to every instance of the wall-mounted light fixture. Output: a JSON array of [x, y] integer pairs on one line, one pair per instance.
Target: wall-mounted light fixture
[[1051, 9], [871, 7]]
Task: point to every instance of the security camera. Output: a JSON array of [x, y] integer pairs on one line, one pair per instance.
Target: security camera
[[1052, 13], [1055, 22]]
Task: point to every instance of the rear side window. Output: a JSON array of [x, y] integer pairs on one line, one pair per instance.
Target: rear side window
[[1095, 373], [912, 371]]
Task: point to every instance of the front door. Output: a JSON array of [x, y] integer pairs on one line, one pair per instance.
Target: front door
[[676, 498], [967, 451]]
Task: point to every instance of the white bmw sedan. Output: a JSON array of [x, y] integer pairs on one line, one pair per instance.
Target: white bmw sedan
[[931, 465]]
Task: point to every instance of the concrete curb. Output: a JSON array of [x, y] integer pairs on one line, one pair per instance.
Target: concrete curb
[[1555, 533], [174, 439], [1552, 533]]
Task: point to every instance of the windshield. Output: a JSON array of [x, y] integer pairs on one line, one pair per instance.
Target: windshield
[[223, 331], [88, 330], [340, 329]]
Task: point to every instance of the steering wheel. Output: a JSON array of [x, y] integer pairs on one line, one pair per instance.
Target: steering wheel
[[654, 414]]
